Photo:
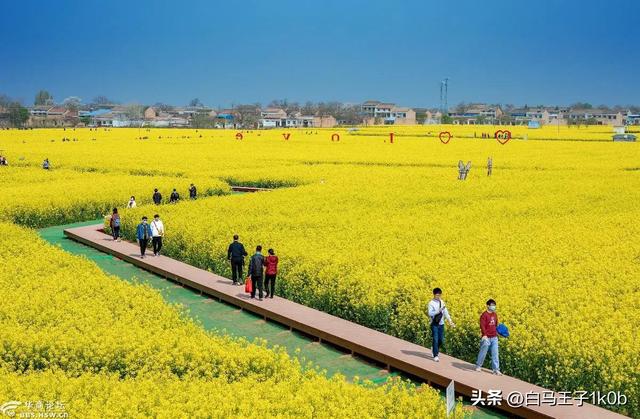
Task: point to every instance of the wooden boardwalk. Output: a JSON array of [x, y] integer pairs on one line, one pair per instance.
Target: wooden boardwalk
[[393, 352], [249, 189]]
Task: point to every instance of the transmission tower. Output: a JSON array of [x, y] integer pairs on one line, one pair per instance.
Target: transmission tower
[[444, 101]]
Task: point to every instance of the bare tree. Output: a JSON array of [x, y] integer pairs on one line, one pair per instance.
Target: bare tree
[[72, 103]]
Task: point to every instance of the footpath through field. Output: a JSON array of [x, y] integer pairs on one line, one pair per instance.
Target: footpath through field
[[223, 318], [395, 353]]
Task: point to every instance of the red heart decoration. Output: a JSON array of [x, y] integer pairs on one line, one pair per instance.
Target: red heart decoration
[[447, 134], [503, 136]]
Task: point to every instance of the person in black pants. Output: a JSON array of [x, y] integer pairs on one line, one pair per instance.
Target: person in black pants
[[157, 197], [235, 255], [143, 234], [256, 270], [271, 270], [157, 233]]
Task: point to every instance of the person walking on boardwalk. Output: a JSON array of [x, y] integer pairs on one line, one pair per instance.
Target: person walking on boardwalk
[[143, 233], [235, 255], [271, 265], [157, 233], [438, 313], [489, 341], [174, 197], [157, 197], [114, 223], [256, 270], [193, 192], [132, 202]]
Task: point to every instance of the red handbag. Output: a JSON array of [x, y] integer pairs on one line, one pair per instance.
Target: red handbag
[[248, 285]]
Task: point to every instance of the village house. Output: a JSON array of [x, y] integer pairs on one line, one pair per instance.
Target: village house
[[432, 117], [157, 118], [378, 113], [272, 118], [278, 118], [476, 113], [52, 116], [597, 115]]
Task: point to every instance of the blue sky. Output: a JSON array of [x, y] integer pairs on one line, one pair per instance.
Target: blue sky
[[505, 51]]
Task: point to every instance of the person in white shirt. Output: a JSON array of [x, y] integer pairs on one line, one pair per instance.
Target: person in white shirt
[[438, 313], [132, 202], [157, 233]]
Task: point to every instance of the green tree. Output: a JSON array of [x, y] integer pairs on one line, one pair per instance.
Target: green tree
[[582, 105], [43, 98], [195, 103], [202, 120], [18, 114], [102, 100], [446, 119], [249, 115]]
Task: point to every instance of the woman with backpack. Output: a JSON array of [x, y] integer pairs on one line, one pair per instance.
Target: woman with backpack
[[114, 223]]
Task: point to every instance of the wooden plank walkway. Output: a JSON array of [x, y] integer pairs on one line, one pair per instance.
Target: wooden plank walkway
[[393, 352], [249, 189]]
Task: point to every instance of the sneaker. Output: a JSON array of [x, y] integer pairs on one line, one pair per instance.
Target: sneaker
[[496, 372], [479, 369], [259, 299], [271, 296], [435, 358]]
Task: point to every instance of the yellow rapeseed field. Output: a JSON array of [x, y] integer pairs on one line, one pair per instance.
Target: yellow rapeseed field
[[105, 348], [365, 228]]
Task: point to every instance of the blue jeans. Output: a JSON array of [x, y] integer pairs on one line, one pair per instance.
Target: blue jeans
[[437, 331], [485, 345]]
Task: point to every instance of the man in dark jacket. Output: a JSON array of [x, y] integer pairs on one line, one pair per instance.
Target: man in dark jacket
[[174, 197], [256, 270], [193, 192], [157, 197], [235, 255]]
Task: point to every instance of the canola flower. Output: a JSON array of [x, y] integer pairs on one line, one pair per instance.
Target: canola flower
[[106, 348], [365, 229]]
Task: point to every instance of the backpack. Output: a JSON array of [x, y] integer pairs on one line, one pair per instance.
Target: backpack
[[437, 317], [257, 264], [116, 222]]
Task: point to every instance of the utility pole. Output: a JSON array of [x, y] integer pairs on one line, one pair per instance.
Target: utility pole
[[444, 91]]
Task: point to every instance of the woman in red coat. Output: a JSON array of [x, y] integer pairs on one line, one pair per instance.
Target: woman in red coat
[[271, 264]]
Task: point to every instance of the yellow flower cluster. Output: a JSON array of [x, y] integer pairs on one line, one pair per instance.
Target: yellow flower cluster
[[104, 347], [163, 396], [37, 198], [368, 228]]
